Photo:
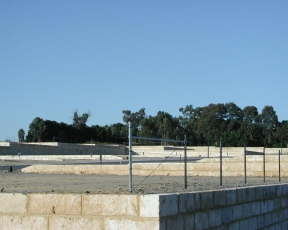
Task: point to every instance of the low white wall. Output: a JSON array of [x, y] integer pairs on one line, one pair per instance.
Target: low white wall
[[205, 167], [196, 151], [259, 207], [54, 148]]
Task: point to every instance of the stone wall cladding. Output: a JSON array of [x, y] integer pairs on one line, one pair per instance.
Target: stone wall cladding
[[54, 148], [238, 208], [231, 167]]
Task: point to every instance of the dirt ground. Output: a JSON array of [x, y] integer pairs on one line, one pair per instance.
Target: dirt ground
[[18, 182]]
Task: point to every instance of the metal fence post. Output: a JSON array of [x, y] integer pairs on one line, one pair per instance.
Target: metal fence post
[[130, 157], [279, 168], [245, 169], [221, 163], [185, 164]]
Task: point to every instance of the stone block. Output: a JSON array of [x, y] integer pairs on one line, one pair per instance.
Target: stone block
[[252, 223], [274, 217], [234, 226], [250, 195], [116, 205], [241, 195], [201, 220], [283, 202], [174, 222], [285, 190], [215, 217], [23, 222], [186, 202], [270, 205], [277, 203], [247, 210], [54, 204], [284, 225], [158, 205], [281, 215], [197, 201], [254, 167], [67, 223], [233, 167], [13, 203], [219, 198], [227, 215], [268, 219], [264, 206], [237, 212], [244, 224], [259, 193], [128, 224], [256, 208], [231, 196], [279, 190], [266, 192], [207, 201], [189, 221], [273, 190]]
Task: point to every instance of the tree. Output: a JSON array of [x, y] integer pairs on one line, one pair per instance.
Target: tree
[[165, 125], [188, 123], [234, 112], [135, 118], [269, 121], [21, 135], [213, 118], [281, 135], [250, 114], [80, 121], [235, 115], [37, 129]]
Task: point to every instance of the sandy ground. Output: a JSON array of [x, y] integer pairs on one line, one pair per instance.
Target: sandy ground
[[17, 182]]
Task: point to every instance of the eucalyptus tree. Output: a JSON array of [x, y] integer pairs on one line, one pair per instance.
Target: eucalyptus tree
[[281, 135], [37, 129], [213, 119], [269, 122], [21, 135], [135, 118], [233, 124], [80, 121], [188, 123]]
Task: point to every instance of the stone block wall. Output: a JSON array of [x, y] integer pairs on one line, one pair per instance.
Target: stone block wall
[[205, 167], [54, 148], [196, 151], [242, 208]]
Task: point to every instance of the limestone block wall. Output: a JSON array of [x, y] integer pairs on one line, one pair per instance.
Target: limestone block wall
[[242, 208], [233, 166], [196, 151], [54, 148], [61, 157]]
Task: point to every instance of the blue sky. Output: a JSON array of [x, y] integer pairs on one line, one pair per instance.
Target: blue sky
[[109, 56]]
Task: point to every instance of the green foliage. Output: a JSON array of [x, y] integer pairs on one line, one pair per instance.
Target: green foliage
[[79, 122], [21, 135], [202, 126], [37, 130]]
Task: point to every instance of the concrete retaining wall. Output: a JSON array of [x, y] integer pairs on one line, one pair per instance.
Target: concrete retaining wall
[[54, 148], [205, 167], [242, 208], [196, 151]]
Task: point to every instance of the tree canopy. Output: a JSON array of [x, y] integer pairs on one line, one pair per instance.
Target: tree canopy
[[206, 125]]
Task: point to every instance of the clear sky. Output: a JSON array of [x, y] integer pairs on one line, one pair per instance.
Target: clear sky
[[109, 56]]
